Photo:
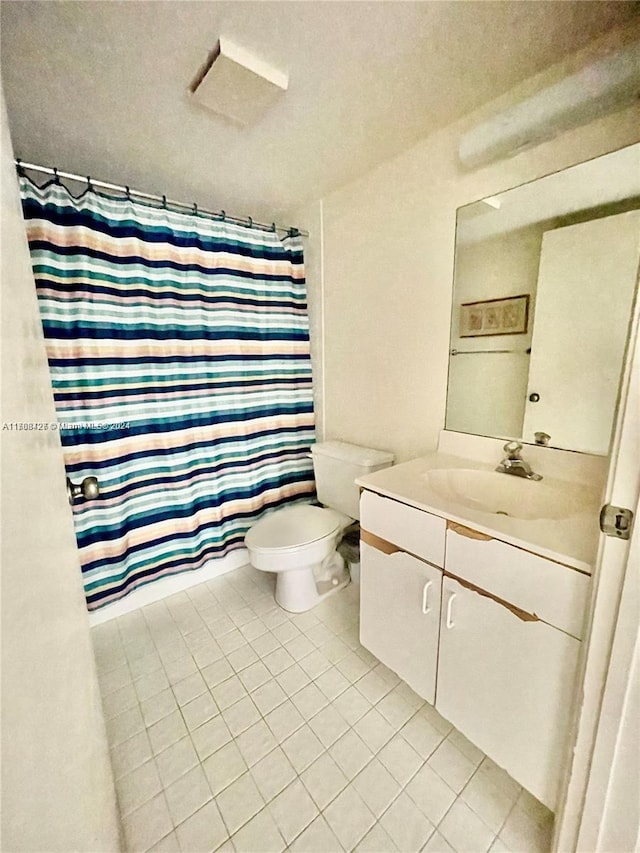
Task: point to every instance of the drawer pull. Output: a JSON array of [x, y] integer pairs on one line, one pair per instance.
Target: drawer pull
[[425, 598], [450, 623]]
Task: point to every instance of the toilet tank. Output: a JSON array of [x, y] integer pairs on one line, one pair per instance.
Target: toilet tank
[[336, 465]]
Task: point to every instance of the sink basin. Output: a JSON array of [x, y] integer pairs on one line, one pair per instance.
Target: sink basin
[[504, 494]]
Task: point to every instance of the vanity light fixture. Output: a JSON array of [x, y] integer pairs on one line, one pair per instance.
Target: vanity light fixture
[[237, 84], [606, 85]]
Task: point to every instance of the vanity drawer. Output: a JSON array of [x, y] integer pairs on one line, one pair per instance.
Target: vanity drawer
[[412, 529], [556, 594]]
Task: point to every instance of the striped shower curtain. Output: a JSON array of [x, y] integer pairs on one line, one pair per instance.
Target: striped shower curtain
[[179, 354]]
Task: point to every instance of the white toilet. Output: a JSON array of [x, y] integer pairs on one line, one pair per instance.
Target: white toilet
[[298, 543]]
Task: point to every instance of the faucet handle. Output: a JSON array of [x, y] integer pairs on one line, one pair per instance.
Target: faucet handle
[[513, 449]]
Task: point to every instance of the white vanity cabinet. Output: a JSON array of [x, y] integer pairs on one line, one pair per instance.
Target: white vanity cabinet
[[488, 632], [400, 592]]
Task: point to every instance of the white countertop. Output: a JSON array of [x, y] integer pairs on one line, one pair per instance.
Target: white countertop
[[572, 540]]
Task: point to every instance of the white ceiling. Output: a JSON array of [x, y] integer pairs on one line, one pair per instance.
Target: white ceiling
[[99, 88]]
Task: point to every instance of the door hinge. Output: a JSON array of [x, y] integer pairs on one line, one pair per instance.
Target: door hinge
[[616, 521]]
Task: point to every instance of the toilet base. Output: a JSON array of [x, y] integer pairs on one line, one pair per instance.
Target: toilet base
[[297, 590]]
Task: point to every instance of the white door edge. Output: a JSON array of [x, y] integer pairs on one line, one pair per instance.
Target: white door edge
[[587, 794]]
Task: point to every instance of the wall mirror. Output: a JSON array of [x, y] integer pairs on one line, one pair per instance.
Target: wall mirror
[[544, 283]]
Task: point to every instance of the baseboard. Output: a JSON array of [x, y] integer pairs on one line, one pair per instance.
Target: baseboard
[[165, 587]]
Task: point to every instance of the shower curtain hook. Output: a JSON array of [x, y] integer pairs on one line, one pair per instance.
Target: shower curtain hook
[[223, 215], [195, 209], [89, 184], [56, 177], [273, 227], [250, 221], [20, 168], [128, 192], [164, 201]]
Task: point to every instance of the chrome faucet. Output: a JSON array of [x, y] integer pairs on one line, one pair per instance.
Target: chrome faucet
[[513, 463]]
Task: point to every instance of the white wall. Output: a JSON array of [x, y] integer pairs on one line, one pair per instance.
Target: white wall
[[57, 783], [387, 258]]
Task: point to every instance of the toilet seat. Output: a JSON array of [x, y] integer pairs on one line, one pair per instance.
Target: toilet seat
[[292, 528]]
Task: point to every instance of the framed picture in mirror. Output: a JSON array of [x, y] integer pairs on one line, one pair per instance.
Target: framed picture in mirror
[[508, 316]]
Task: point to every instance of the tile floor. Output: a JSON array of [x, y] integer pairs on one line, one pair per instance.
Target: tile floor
[[234, 725]]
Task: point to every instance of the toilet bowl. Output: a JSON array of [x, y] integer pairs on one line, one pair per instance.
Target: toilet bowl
[[299, 542]]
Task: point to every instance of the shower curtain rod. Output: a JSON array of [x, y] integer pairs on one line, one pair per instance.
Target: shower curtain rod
[[217, 214]]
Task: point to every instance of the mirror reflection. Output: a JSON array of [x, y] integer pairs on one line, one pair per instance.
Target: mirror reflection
[[545, 276]]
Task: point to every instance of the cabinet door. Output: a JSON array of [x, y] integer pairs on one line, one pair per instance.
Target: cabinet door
[[400, 614], [507, 684]]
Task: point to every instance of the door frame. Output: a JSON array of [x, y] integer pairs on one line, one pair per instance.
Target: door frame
[[588, 776], [612, 809]]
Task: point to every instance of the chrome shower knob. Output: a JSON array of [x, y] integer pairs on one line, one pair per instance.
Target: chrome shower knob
[[87, 489]]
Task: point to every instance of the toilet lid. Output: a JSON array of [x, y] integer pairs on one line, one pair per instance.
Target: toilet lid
[[291, 527]]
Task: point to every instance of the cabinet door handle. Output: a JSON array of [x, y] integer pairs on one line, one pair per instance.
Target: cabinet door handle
[[450, 623], [425, 598]]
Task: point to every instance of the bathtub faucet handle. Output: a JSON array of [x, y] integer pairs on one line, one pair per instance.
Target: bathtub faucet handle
[[87, 489]]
